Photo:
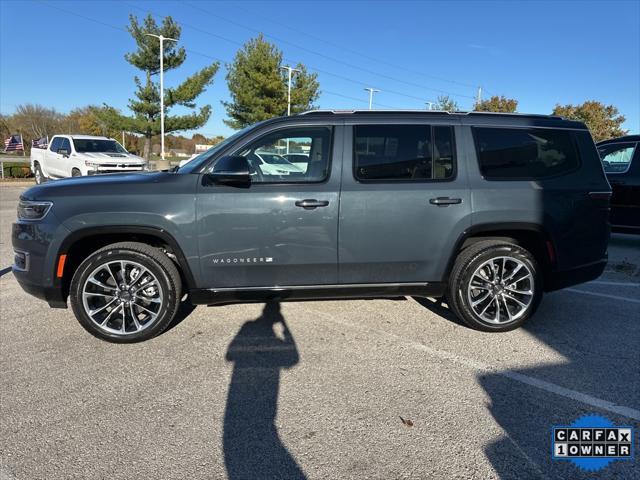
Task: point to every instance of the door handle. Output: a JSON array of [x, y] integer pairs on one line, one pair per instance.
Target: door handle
[[311, 203], [444, 201]]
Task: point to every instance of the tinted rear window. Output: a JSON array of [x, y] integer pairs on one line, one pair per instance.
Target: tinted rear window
[[403, 152], [524, 153]]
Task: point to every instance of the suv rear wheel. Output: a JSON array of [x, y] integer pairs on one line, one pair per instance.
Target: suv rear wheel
[[40, 178], [126, 292], [495, 286]]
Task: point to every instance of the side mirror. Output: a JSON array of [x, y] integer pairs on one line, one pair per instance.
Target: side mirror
[[64, 152], [231, 170]]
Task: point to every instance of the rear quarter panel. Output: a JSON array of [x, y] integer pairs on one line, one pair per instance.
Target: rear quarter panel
[[560, 206]]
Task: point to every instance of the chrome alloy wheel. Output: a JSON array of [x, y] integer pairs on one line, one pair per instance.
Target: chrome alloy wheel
[[122, 297], [501, 290]]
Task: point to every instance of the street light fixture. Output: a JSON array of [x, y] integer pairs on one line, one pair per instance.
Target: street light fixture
[[162, 39], [371, 92], [289, 70]]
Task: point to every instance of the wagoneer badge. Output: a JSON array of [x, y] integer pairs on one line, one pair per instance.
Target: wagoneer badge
[[243, 260]]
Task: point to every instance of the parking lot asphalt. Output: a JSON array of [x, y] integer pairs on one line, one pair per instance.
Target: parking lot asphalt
[[334, 389]]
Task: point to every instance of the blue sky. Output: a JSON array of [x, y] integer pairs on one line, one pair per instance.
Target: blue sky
[[70, 53]]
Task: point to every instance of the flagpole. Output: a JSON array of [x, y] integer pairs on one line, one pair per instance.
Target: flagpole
[[24, 149]]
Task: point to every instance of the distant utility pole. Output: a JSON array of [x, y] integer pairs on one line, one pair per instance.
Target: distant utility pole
[[290, 71], [162, 39], [371, 92], [479, 97], [429, 105]]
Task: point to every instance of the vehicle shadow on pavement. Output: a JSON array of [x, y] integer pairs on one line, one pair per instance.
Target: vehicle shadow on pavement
[[184, 310], [600, 350], [600, 361], [439, 307], [252, 447]]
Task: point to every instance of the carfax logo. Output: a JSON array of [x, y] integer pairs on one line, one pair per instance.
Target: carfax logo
[[592, 442]]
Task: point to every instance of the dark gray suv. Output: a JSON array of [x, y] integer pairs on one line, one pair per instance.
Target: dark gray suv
[[487, 210]]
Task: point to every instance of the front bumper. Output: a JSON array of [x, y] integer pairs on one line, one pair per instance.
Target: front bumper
[[39, 243], [54, 296]]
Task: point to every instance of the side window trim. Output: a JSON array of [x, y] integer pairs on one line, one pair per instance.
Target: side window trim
[[454, 145]]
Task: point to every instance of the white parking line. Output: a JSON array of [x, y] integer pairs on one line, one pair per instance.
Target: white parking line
[[605, 295], [519, 377], [615, 284]]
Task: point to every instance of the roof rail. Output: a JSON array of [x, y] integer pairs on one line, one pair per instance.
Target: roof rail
[[440, 112], [337, 112]]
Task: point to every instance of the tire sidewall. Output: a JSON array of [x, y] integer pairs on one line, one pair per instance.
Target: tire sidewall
[[467, 272], [169, 302], [39, 175]]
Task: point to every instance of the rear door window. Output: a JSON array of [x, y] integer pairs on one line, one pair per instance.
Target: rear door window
[[524, 153], [616, 157], [416, 153]]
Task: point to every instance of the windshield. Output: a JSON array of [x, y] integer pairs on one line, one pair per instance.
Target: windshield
[[92, 145], [273, 158]]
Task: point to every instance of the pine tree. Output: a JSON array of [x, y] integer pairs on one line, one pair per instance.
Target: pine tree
[[447, 104], [146, 104], [258, 88]]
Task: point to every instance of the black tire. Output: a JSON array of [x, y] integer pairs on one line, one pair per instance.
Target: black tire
[[472, 258], [40, 178], [157, 263], [76, 173]]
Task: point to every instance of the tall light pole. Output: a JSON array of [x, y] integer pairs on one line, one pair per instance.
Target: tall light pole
[[371, 92], [162, 39], [290, 71], [429, 105]]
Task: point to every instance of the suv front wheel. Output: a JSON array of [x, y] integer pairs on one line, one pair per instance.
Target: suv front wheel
[[126, 292], [495, 286]]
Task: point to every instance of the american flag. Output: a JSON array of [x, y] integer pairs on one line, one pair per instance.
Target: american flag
[[13, 144], [40, 143]]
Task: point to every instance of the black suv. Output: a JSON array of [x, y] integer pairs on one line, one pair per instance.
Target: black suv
[[489, 210], [621, 161]]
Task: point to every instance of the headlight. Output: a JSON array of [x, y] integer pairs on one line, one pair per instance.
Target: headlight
[[28, 210], [89, 163]]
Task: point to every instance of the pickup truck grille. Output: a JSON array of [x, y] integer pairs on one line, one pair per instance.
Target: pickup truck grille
[[115, 169]]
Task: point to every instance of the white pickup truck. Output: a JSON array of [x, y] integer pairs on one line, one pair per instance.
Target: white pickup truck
[[77, 155]]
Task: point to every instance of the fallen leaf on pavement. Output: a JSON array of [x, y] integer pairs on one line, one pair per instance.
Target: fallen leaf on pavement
[[407, 422]]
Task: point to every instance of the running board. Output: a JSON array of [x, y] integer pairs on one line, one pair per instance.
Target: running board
[[214, 296]]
